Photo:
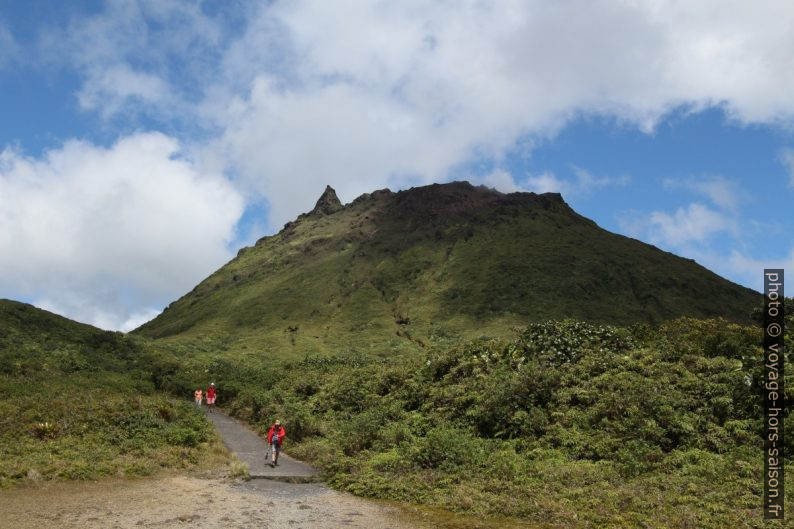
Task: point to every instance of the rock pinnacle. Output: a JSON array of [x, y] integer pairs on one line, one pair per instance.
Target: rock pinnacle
[[328, 203]]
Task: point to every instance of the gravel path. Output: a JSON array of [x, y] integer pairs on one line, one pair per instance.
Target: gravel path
[[250, 449]]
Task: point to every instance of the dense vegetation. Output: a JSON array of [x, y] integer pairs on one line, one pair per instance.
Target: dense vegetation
[[392, 272], [79, 403], [568, 423]]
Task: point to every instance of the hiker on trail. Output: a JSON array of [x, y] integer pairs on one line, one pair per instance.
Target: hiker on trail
[[197, 396], [211, 397], [275, 438]]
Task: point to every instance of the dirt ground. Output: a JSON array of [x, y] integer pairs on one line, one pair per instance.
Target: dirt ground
[[202, 501], [187, 501]]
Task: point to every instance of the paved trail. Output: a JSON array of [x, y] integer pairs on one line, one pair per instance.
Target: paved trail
[[250, 449]]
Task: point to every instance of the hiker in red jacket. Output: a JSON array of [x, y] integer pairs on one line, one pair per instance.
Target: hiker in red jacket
[[211, 397], [275, 438]]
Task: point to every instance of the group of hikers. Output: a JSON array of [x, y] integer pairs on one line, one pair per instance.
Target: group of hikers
[[275, 434], [198, 395]]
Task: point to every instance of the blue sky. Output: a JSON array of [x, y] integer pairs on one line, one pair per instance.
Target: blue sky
[[143, 142]]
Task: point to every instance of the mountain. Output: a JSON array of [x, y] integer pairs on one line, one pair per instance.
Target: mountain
[[394, 272], [37, 342]]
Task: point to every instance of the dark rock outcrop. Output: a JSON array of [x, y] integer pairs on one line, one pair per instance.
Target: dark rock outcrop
[[327, 203]]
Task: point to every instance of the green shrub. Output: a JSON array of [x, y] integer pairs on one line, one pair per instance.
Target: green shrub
[[446, 448]]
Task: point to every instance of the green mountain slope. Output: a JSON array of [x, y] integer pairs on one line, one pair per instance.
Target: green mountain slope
[[80, 404], [392, 272], [35, 341]]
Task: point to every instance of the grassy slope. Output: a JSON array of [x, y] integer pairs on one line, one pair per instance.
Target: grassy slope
[[392, 272], [79, 404]]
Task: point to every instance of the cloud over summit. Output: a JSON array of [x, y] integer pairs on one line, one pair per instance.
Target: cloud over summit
[[367, 94]]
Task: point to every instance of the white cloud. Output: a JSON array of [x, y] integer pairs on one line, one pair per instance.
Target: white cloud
[[366, 94], [740, 267], [587, 181], [695, 223], [109, 90], [9, 49], [500, 180], [139, 56], [751, 269], [786, 157], [584, 182], [373, 91], [546, 182], [723, 192], [111, 234]]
